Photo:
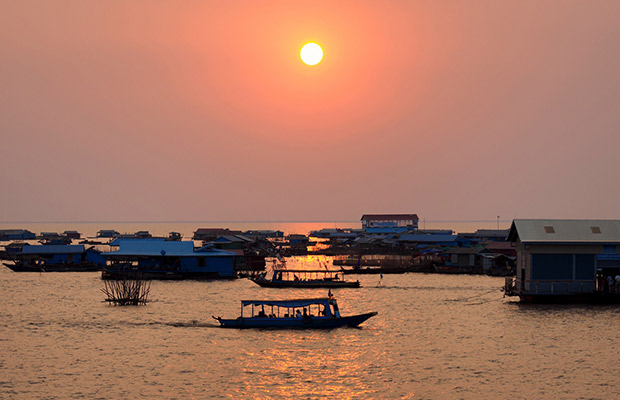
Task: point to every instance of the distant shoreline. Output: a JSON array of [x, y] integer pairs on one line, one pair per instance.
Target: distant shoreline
[[443, 221]]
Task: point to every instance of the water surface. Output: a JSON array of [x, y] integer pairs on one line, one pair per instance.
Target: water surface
[[436, 336]]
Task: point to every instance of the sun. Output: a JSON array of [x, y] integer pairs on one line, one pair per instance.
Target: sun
[[311, 53]]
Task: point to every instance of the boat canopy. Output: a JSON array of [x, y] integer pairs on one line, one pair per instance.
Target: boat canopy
[[287, 303]]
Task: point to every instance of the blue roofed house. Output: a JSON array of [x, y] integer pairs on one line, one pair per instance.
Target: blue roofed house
[[165, 259], [565, 260], [16, 234], [56, 258], [435, 240], [389, 223]]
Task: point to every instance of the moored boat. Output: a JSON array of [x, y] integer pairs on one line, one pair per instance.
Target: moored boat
[[319, 313], [379, 270], [305, 279]]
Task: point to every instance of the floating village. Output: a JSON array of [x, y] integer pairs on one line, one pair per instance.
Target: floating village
[[540, 260]]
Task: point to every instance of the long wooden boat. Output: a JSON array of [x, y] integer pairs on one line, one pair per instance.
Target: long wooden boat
[[305, 279], [123, 273], [379, 270], [53, 267], [320, 313]]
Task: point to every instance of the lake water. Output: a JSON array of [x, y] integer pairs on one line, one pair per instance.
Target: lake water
[[435, 337]]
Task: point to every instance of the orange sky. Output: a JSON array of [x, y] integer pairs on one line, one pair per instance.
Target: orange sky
[[202, 110]]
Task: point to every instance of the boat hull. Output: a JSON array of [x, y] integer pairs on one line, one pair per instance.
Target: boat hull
[[296, 323], [82, 267], [585, 298], [378, 270], [306, 284], [122, 274]]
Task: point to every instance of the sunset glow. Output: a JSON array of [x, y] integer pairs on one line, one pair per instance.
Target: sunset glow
[[311, 53]]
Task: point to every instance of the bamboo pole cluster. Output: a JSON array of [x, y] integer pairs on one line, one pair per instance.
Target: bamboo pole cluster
[[127, 291]]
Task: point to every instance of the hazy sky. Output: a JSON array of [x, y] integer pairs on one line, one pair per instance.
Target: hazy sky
[[202, 110]]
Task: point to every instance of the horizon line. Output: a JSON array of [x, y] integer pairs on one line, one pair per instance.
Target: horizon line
[[236, 221]]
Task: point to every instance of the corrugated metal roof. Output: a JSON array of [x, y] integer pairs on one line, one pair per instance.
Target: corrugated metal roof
[[465, 250], [154, 248], [54, 249], [428, 238], [389, 217], [565, 231], [150, 247]]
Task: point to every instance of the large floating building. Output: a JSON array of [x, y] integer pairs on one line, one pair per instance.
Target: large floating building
[[565, 260]]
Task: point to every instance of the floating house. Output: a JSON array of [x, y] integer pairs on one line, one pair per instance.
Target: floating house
[[165, 259], [486, 235], [477, 260], [232, 242], [433, 240], [56, 258], [336, 234], [72, 234], [107, 233], [565, 260], [463, 260], [208, 234], [389, 223], [298, 240], [16, 234], [265, 234]]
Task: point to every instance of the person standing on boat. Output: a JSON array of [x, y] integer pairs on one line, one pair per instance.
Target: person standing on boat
[[600, 280]]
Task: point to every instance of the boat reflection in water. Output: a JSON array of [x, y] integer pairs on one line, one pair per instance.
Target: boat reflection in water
[[320, 313]]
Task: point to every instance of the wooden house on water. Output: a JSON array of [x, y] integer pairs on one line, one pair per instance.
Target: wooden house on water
[[164, 259], [565, 260], [16, 234], [55, 258]]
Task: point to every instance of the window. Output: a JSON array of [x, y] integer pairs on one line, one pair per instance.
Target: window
[[549, 229], [553, 266], [202, 261], [595, 229]]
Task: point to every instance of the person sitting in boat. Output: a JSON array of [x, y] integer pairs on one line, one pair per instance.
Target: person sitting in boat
[[296, 277], [298, 314]]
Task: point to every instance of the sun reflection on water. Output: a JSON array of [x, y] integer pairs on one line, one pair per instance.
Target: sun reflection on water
[[303, 364]]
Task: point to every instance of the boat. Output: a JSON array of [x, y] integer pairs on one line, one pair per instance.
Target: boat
[[282, 278], [319, 313], [57, 267], [380, 270], [125, 271]]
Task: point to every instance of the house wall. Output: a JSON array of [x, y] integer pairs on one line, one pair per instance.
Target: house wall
[[558, 268], [223, 265], [95, 257], [386, 223]]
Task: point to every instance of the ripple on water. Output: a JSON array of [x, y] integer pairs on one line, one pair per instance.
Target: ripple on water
[[435, 337]]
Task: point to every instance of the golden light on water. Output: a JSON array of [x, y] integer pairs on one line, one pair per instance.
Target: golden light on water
[[311, 53]]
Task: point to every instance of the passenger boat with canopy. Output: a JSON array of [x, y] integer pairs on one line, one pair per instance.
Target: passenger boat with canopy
[[319, 313], [287, 278]]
